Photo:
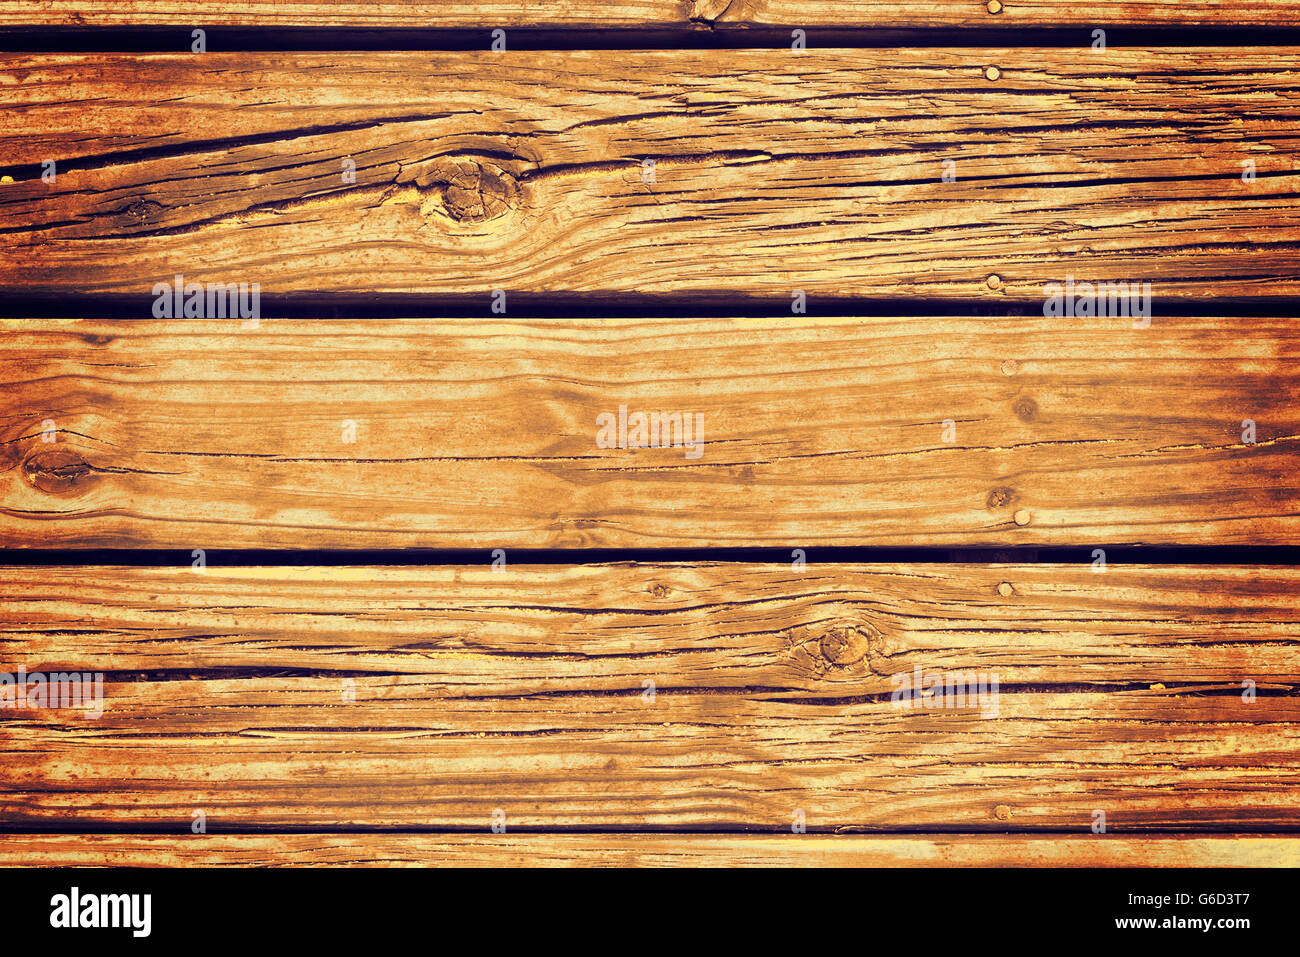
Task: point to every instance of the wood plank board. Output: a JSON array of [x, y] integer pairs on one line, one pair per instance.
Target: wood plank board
[[433, 698], [706, 14], [775, 172], [642, 850], [489, 434]]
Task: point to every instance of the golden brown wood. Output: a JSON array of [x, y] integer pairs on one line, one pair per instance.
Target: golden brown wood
[[484, 434], [820, 171], [540, 628], [715, 14], [642, 850], [713, 697]]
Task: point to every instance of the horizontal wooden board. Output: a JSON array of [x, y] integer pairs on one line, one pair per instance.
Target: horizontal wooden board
[[648, 697], [775, 172], [528, 627], [715, 14], [486, 434], [641, 850]]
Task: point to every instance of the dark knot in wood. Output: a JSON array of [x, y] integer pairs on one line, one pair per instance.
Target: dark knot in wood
[[844, 644], [471, 189], [140, 212], [55, 470], [848, 643], [1000, 496], [1026, 409]]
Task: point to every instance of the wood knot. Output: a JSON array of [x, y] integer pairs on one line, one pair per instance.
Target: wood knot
[[469, 189], [55, 469], [840, 638], [1026, 409], [708, 11], [1000, 496], [1002, 812], [844, 644], [660, 590], [141, 211]]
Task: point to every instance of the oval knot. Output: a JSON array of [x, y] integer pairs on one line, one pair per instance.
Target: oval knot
[[56, 469], [470, 189]]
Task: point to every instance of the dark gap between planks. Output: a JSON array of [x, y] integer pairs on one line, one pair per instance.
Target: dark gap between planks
[[719, 304], [1247, 555], [689, 36], [133, 829]]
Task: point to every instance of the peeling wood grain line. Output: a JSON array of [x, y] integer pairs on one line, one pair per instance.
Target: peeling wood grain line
[[773, 172], [483, 434]]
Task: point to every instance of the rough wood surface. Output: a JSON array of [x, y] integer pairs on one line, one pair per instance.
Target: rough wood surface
[[775, 171], [477, 433], [434, 698], [641, 850], [715, 14]]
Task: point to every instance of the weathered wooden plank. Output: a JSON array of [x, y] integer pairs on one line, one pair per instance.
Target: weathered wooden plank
[[774, 172], [805, 431], [521, 630], [714, 697], [642, 850], [486, 14]]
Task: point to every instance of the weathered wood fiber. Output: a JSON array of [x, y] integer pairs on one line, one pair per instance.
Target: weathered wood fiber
[[820, 171], [712, 697], [484, 433]]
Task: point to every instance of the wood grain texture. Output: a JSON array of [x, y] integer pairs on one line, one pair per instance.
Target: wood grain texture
[[642, 850], [475, 433], [774, 172], [431, 698], [714, 14]]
